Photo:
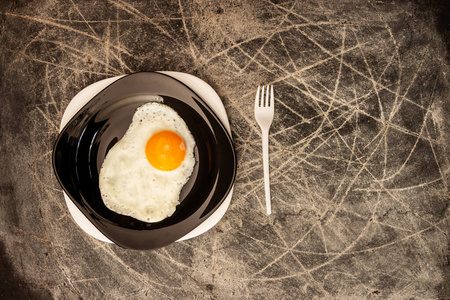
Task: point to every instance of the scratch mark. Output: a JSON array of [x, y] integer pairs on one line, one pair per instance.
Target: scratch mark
[[65, 27]]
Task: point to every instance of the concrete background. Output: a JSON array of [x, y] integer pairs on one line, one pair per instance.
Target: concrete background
[[359, 147]]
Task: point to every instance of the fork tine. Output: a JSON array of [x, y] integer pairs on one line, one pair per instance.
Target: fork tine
[[257, 97], [271, 97], [266, 103]]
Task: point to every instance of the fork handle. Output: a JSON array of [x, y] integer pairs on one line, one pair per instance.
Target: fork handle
[[265, 146]]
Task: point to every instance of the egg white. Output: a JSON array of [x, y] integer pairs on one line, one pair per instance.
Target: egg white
[[129, 184]]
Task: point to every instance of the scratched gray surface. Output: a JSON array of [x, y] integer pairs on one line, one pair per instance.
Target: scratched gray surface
[[359, 147]]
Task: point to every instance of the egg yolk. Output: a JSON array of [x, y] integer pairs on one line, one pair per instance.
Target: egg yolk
[[165, 150]]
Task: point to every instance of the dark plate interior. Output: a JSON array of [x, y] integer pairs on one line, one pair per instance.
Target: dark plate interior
[[82, 146]]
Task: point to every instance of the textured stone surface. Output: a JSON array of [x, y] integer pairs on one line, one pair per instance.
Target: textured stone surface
[[359, 147]]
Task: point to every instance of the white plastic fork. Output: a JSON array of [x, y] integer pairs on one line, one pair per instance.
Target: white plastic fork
[[264, 115]]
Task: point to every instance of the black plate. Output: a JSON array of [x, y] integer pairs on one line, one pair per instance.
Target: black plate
[[82, 146]]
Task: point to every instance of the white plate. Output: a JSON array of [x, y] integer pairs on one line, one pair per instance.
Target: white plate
[[204, 90]]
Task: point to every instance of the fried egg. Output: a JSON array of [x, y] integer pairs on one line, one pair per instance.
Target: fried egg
[[143, 173]]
